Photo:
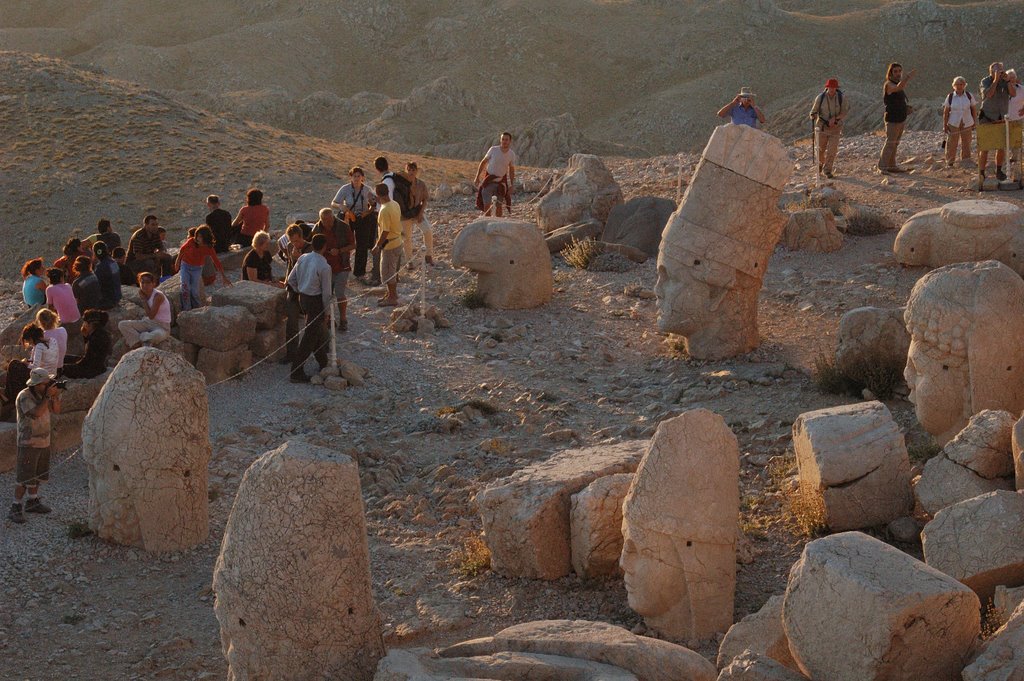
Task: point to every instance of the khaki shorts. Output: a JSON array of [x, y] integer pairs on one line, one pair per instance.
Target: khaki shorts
[[33, 465], [340, 281], [390, 263]]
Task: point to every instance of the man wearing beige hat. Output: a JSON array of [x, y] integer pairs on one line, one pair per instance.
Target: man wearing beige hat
[[828, 113], [34, 405], [742, 110]]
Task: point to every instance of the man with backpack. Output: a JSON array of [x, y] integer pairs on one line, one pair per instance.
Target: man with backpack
[[828, 113], [959, 114]]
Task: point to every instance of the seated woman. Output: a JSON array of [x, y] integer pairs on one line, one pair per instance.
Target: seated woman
[[49, 322], [97, 348], [73, 249], [86, 287], [193, 253], [45, 355], [258, 262], [33, 290]]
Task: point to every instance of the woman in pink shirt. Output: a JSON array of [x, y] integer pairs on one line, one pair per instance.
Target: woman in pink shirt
[[61, 299], [191, 256], [252, 217]]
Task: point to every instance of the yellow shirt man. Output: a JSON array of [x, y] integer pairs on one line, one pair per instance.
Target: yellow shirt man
[[389, 221]]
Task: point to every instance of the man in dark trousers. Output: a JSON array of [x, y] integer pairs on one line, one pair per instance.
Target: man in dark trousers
[[312, 279]]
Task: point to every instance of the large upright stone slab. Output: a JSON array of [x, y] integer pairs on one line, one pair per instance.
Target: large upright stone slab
[[979, 541], [217, 328], [857, 608], [526, 515], [716, 245], [511, 259], [963, 231], [596, 526], [680, 520], [586, 190], [966, 324], [265, 303], [146, 445], [854, 458], [294, 595]]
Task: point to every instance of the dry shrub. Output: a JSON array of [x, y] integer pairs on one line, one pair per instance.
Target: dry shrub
[[580, 253], [865, 221], [78, 529], [808, 510], [922, 451], [473, 299], [472, 559], [827, 377], [992, 618], [880, 374]]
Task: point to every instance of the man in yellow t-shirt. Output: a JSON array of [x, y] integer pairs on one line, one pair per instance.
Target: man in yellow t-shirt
[[389, 244]]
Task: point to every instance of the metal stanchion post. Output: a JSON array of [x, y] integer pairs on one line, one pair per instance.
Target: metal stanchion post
[[334, 332]]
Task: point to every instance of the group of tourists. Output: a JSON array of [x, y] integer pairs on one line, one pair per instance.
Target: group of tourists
[[1000, 98]]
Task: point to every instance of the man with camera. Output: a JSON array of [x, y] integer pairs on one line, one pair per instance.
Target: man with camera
[[828, 112], [34, 405], [996, 90], [742, 110]]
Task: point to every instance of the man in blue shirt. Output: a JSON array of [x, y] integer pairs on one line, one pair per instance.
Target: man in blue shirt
[[742, 110]]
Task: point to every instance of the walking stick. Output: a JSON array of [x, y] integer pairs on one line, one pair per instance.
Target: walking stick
[[817, 155]]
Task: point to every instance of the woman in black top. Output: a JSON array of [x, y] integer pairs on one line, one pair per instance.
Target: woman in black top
[[97, 348], [258, 263], [897, 109]]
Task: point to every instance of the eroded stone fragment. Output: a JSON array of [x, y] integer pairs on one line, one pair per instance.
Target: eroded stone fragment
[[750, 666], [1002, 656], [870, 337], [587, 190], [511, 260], [761, 633], [265, 303], [294, 596], [813, 231], [596, 526], [218, 328]]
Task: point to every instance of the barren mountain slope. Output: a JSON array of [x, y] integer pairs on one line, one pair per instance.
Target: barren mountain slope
[[646, 75], [78, 146]]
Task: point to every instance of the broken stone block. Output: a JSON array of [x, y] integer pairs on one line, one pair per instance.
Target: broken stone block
[[855, 459], [217, 366], [1007, 599], [871, 337], [1002, 656], [562, 238], [147, 458], [595, 522], [586, 190], [82, 392], [294, 595], [1017, 446], [979, 541], [269, 343], [901, 619], [217, 328], [750, 666], [985, 444], [813, 231], [526, 514], [761, 633], [639, 223], [944, 483], [265, 303]]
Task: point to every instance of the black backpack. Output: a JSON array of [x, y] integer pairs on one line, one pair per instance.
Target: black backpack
[[403, 194]]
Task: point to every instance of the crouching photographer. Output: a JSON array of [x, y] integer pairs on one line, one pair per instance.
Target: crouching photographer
[[34, 405]]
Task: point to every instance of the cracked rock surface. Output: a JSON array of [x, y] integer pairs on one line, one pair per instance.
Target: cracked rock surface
[[1002, 656], [761, 633], [292, 581], [596, 526], [146, 444]]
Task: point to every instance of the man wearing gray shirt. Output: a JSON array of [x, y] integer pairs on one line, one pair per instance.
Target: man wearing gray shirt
[[312, 279], [996, 92], [355, 204]]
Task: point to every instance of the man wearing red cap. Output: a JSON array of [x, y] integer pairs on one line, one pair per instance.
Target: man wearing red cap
[[828, 113]]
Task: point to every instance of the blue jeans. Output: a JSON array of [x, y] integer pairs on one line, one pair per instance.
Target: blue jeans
[[191, 283]]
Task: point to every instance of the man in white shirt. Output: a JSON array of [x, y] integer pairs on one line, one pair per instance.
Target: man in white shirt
[[496, 175], [312, 279]]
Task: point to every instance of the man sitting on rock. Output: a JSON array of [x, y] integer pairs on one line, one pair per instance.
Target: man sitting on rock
[[146, 250], [34, 405], [498, 170], [313, 280]]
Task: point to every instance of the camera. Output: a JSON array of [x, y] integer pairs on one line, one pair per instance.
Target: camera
[[62, 384]]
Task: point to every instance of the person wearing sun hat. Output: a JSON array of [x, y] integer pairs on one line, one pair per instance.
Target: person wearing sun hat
[[742, 110], [34, 405], [828, 112]]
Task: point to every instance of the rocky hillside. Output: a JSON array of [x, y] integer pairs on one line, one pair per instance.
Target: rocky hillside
[[640, 77]]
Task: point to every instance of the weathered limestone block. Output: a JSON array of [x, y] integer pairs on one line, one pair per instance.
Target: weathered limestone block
[[294, 595], [82, 392], [985, 444], [266, 303], [147, 458], [8, 446], [1002, 656], [217, 366], [854, 458], [563, 237], [813, 231], [963, 231], [587, 190], [679, 522], [944, 483], [966, 324], [979, 541], [646, 659], [639, 223], [269, 342], [596, 526], [1007, 599], [67, 430], [761, 633], [11, 335], [526, 515], [419, 664], [217, 328], [715, 247], [901, 619], [751, 666], [511, 260], [871, 337]]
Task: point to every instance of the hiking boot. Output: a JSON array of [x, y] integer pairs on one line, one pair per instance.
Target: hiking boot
[[343, 326], [829, 175], [16, 514], [36, 506], [428, 259], [1000, 175]]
